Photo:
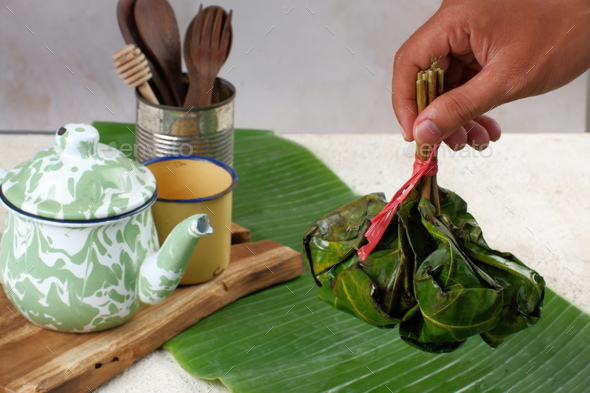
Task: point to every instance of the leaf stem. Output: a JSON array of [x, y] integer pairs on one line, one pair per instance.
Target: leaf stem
[[429, 84]]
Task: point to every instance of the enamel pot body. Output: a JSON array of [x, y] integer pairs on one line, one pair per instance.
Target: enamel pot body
[[75, 278], [92, 276], [80, 251]]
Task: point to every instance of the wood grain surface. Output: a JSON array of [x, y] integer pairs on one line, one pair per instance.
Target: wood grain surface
[[33, 359]]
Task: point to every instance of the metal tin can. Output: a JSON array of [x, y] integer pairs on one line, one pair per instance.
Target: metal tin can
[[172, 131]]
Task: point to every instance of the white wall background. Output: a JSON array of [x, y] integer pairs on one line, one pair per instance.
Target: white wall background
[[315, 66]]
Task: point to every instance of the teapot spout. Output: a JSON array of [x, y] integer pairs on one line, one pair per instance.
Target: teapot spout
[[161, 272]]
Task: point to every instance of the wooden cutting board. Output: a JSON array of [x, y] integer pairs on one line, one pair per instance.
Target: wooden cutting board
[[33, 359]]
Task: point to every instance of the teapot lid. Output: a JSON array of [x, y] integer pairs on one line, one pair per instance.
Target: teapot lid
[[78, 179]]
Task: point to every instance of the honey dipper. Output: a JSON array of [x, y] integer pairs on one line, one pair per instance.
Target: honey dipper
[[133, 68]]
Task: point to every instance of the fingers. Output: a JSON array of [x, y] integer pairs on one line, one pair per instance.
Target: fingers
[[458, 107], [412, 57], [476, 92], [404, 97], [492, 127], [486, 50], [477, 134], [458, 139]]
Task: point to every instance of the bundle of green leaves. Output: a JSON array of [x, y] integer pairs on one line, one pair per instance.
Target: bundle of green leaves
[[431, 273]]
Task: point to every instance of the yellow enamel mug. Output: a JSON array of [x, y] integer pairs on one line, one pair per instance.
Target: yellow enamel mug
[[188, 185]]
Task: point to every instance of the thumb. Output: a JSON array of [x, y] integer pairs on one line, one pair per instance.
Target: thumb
[[457, 107]]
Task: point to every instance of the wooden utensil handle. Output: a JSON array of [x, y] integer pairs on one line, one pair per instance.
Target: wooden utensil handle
[[147, 93]]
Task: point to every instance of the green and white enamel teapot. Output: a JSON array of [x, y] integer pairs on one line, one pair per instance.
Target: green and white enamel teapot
[[79, 251]]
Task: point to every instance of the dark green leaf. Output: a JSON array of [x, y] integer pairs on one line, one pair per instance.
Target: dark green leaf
[[378, 290], [337, 235], [348, 288], [391, 272], [414, 333]]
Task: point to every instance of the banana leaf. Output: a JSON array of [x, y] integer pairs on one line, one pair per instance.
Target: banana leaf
[[283, 339]]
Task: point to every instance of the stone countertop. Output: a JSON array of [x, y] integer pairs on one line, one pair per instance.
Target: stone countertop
[[528, 192]]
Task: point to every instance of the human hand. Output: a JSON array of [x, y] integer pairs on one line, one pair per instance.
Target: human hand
[[493, 52]]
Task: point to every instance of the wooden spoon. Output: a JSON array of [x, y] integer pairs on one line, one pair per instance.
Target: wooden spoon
[[206, 48], [127, 21], [128, 27], [132, 67], [193, 34], [158, 28]]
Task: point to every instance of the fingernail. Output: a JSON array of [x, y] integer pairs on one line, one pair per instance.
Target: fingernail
[[404, 134], [427, 132]]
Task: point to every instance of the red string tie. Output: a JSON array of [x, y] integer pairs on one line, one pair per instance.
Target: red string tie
[[381, 221]]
